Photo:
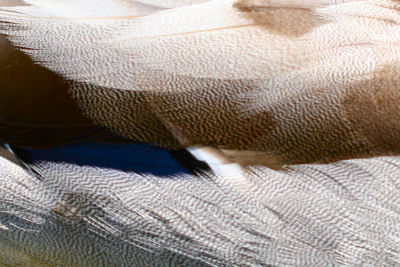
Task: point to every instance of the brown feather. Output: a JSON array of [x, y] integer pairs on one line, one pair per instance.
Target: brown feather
[[290, 18], [36, 108]]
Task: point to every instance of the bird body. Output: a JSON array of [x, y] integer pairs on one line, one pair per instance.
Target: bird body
[[286, 82], [129, 210], [254, 82]]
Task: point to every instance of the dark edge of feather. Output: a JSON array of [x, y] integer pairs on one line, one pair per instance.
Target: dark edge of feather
[[23, 160], [189, 162]]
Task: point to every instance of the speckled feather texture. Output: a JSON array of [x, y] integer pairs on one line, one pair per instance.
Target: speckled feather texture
[[263, 82], [286, 81], [341, 214]]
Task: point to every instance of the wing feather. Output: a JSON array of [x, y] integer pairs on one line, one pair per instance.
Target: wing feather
[[344, 213], [246, 86]]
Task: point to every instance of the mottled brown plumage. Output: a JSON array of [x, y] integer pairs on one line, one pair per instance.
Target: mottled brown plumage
[[318, 84], [36, 108], [254, 82], [291, 17]]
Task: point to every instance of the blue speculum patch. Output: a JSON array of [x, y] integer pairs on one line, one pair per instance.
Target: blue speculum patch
[[139, 158]]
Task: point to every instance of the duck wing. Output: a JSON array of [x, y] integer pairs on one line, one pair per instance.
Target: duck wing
[[266, 81]]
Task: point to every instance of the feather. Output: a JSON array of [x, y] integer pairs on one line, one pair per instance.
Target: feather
[[207, 75], [4, 3], [36, 108], [233, 84], [288, 17], [341, 214], [88, 9]]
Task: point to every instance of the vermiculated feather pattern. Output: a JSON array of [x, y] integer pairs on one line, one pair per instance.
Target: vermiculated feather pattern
[[341, 214], [256, 82], [246, 87]]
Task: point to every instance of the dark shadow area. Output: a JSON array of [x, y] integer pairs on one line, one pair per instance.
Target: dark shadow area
[[139, 158]]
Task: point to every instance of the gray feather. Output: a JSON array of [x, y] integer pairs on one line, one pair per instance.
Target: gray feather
[[341, 214]]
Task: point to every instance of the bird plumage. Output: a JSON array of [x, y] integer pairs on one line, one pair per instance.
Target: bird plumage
[[256, 82], [248, 85], [95, 209]]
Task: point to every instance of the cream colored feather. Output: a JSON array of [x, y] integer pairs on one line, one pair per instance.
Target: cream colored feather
[[318, 86], [263, 82]]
